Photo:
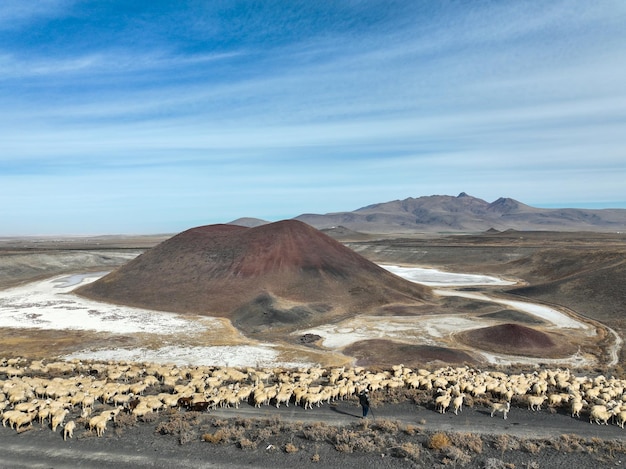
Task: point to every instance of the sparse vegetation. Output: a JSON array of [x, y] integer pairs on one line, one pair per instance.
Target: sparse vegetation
[[439, 441], [468, 441], [291, 448]]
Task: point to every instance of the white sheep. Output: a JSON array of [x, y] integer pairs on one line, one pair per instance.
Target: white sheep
[[57, 418], [577, 405], [8, 416], [21, 419], [68, 430], [600, 414], [99, 422], [557, 399], [141, 410], [442, 403], [534, 402], [457, 403], [620, 417], [283, 396], [501, 407]]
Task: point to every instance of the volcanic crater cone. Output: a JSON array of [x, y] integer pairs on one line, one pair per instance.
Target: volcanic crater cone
[[280, 274]]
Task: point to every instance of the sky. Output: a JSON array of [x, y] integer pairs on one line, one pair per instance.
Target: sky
[[121, 117]]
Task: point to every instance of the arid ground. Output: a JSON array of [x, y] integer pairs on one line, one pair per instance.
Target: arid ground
[[578, 275]]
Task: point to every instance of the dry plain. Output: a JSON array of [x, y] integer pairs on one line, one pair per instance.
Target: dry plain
[[578, 274]]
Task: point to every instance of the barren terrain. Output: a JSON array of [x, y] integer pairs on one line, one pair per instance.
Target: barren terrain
[[479, 281], [544, 300]]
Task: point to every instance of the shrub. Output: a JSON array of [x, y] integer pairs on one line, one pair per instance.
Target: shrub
[[245, 443], [263, 433], [406, 450], [568, 443], [348, 442], [291, 448], [410, 429], [388, 426], [174, 426], [149, 417], [506, 443], [456, 455], [318, 432], [439, 441], [343, 448], [468, 441], [531, 446], [124, 420], [218, 437]]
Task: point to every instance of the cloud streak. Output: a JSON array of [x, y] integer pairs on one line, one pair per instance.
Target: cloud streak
[[224, 109]]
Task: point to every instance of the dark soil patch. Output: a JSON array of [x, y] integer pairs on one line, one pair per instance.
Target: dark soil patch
[[387, 353], [510, 315], [516, 339]]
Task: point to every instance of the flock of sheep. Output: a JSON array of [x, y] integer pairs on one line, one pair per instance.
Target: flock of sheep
[[94, 393]]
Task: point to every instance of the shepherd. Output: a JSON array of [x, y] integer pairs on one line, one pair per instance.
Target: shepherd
[[364, 400]]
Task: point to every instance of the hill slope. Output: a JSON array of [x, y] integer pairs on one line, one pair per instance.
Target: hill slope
[[279, 274]]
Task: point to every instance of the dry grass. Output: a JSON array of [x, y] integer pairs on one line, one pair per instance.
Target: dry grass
[[411, 451], [531, 446], [455, 456], [178, 426], [386, 426], [410, 429], [318, 431], [291, 448], [245, 443], [468, 441], [349, 441], [216, 437], [438, 441]]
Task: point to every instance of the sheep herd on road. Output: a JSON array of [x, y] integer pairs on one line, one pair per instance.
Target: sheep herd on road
[[95, 393]]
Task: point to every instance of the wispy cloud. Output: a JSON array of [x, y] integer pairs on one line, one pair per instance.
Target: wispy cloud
[[221, 109], [15, 13]]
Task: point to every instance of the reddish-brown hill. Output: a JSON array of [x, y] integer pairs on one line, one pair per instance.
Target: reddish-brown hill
[[283, 273], [515, 339]]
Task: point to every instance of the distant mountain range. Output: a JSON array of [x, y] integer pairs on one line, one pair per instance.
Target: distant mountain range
[[463, 213]]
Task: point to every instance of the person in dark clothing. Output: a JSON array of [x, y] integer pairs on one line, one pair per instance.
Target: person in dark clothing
[[364, 400]]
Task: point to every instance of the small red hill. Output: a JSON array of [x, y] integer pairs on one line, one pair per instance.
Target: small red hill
[[283, 273], [515, 339]]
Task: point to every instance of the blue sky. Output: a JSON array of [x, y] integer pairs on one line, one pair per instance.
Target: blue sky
[[157, 116]]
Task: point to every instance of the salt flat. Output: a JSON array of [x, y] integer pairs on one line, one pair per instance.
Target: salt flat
[[438, 278]]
